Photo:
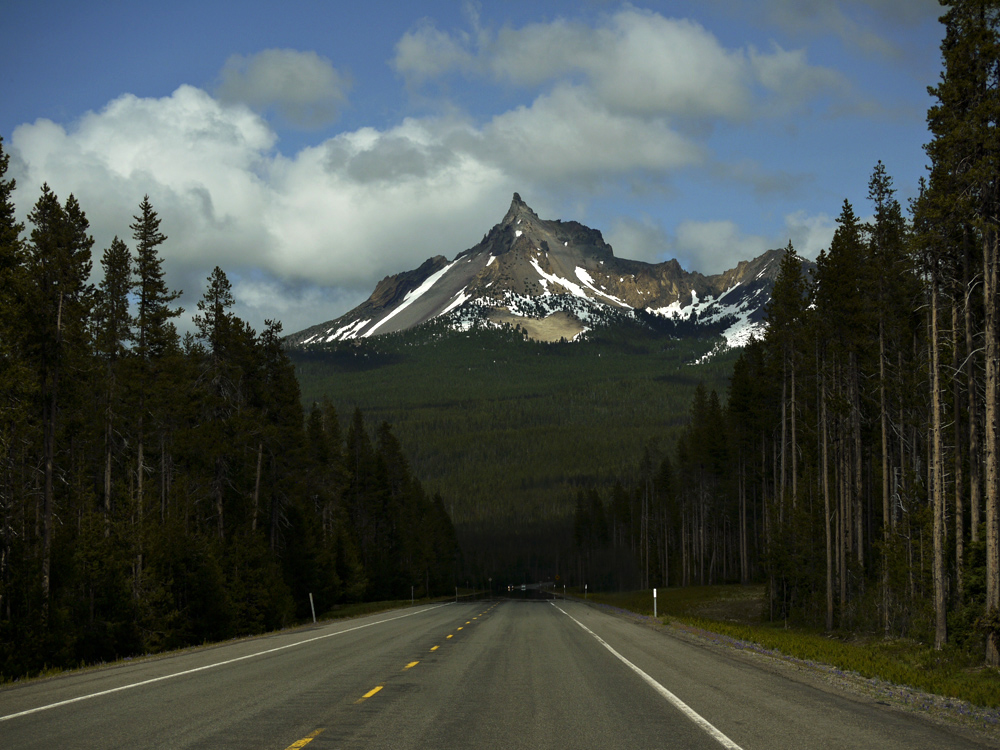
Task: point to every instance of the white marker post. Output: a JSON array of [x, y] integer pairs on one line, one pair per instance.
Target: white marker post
[[312, 607], [654, 603]]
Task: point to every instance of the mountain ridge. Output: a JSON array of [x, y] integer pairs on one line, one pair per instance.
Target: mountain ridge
[[555, 280]]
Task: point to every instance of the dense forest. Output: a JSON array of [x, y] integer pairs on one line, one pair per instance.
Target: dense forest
[[855, 467], [157, 490], [508, 429]]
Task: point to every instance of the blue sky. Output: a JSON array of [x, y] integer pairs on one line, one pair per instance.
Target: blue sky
[[311, 148]]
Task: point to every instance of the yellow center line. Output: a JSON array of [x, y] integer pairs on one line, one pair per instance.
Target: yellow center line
[[369, 694], [411, 665], [435, 648], [448, 636], [467, 622], [459, 628], [305, 740]]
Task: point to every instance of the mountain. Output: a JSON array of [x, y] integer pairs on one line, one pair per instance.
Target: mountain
[[557, 280]]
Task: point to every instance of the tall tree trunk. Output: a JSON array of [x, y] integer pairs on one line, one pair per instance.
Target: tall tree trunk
[[884, 426], [826, 506], [49, 439], [959, 485], [937, 474], [975, 499], [990, 280], [140, 502], [744, 555], [784, 427], [857, 451], [256, 489], [794, 447]]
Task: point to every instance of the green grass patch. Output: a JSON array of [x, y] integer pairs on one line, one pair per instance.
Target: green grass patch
[[728, 611]]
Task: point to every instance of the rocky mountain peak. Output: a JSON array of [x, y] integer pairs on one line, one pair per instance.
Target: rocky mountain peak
[[555, 280], [519, 211]]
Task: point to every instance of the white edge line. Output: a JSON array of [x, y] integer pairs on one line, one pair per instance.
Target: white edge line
[[208, 666], [673, 699]]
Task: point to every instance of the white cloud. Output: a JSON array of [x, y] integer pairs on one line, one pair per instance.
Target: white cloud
[[711, 247], [343, 214], [640, 239], [636, 63], [569, 135], [303, 87], [426, 53], [297, 305], [810, 233], [716, 246], [850, 20], [201, 162]]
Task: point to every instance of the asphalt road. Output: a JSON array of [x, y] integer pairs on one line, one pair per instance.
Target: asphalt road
[[482, 675]]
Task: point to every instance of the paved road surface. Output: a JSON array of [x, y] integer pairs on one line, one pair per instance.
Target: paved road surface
[[483, 675]]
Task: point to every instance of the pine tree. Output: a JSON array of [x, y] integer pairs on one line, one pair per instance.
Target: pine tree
[[965, 189], [219, 329], [112, 337], [155, 337], [57, 313], [14, 378]]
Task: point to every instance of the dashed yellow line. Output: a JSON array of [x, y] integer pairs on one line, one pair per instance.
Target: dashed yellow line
[[305, 740], [435, 648], [369, 694], [459, 628], [411, 665], [448, 636]]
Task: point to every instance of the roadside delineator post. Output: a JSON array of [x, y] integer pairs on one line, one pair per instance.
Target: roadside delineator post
[[654, 603], [312, 607]]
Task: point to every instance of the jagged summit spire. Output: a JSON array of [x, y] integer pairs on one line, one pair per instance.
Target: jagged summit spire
[[518, 210]]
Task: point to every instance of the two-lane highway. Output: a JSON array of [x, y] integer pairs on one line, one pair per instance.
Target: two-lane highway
[[483, 675]]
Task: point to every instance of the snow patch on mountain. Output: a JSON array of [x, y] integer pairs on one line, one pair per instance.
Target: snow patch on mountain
[[411, 297]]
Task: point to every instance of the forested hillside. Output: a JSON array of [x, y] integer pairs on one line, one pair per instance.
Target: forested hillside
[[159, 491], [855, 467], [510, 429]]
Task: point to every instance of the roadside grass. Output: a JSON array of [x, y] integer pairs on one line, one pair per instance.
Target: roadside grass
[[734, 612]]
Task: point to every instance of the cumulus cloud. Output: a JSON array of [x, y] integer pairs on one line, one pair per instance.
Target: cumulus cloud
[[425, 53], [341, 215], [197, 158], [568, 135], [303, 87], [636, 63]]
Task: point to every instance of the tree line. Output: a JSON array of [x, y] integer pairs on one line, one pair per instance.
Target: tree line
[[159, 490], [855, 467]]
